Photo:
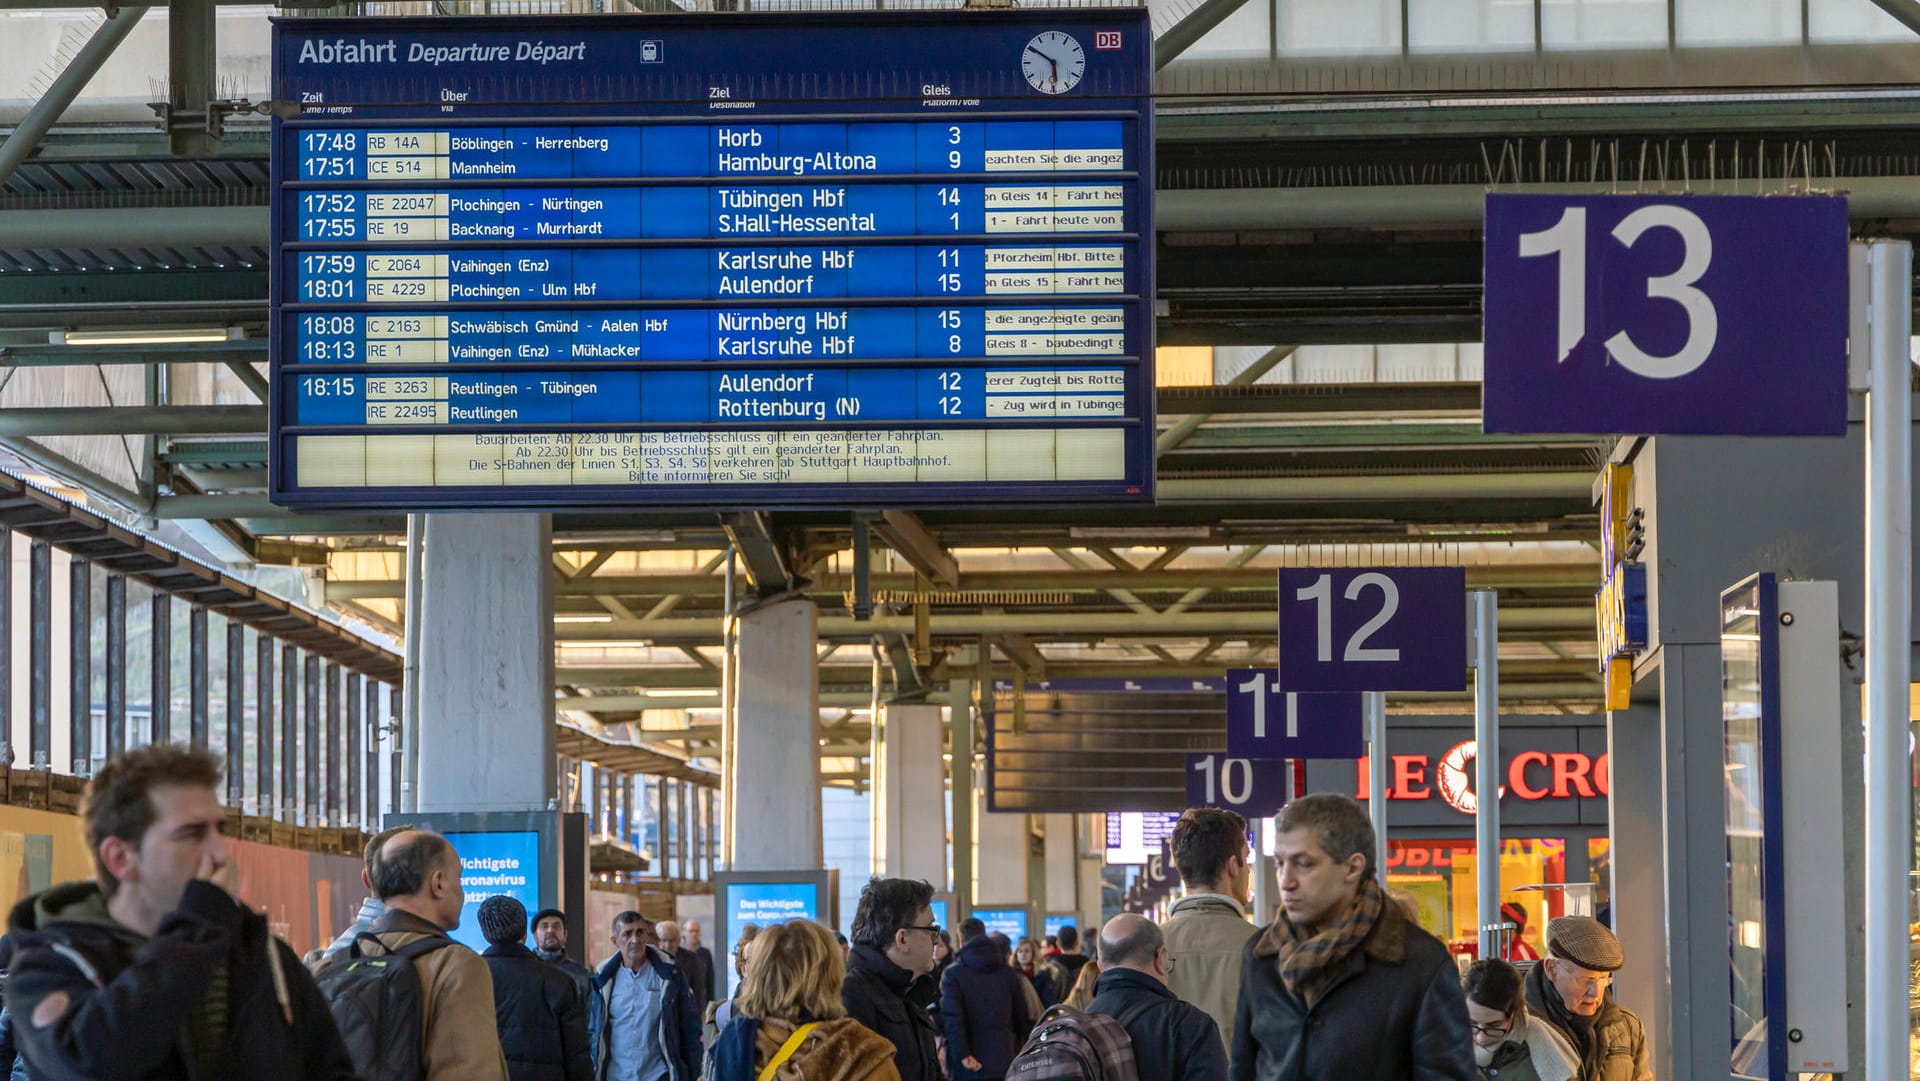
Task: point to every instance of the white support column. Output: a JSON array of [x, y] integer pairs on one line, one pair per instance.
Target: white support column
[[773, 747], [1889, 580], [1093, 859], [999, 852], [1063, 864], [909, 795], [485, 694]]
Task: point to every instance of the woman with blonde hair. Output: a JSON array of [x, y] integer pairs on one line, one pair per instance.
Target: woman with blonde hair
[[789, 1024], [1082, 992]]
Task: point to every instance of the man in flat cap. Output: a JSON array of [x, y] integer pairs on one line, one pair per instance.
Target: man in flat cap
[[1572, 990]]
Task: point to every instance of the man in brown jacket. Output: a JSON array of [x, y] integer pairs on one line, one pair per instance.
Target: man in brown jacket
[[418, 880], [1208, 930]]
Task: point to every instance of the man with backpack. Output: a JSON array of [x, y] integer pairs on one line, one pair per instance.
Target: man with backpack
[[432, 1018], [153, 970], [1172, 1040]]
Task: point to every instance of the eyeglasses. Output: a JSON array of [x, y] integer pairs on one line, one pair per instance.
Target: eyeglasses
[[1500, 1029], [932, 929]]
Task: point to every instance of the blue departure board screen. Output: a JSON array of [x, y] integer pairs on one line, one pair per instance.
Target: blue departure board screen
[[840, 259]]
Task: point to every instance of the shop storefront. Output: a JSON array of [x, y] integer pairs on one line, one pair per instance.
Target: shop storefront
[[1553, 819]]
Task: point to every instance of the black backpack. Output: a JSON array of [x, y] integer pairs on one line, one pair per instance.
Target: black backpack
[[376, 1001]]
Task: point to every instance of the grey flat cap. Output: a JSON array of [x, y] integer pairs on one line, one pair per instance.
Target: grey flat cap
[[1586, 942]]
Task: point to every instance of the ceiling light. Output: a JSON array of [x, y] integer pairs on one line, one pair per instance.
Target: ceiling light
[[148, 336], [681, 692], [583, 619]]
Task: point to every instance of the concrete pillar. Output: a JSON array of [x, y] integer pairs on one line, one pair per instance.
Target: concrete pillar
[[1091, 862], [999, 853], [1637, 857], [960, 790], [772, 758], [909, 794], [486, 663], [1062, 864]]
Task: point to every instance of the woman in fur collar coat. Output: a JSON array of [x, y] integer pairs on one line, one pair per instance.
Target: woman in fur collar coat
[[789, 1016]]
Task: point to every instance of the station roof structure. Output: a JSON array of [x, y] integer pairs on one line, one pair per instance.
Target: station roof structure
[[1319, 181]]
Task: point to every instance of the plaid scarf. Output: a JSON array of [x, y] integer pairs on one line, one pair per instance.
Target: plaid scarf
[[1307, 961]]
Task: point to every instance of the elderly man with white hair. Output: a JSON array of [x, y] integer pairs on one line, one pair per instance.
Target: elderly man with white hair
[[697, 981]]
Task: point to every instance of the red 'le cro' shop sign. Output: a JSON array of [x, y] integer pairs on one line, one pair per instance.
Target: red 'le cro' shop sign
[[1550, 775]]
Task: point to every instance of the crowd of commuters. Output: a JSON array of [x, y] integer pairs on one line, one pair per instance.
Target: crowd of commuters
[[153, 971]]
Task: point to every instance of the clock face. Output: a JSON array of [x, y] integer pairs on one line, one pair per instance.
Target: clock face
[[1053, 62]]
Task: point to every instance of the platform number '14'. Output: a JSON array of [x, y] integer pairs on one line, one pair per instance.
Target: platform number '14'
[[1567, 240]]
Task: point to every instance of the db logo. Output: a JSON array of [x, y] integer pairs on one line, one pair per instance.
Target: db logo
[[1106, 39]]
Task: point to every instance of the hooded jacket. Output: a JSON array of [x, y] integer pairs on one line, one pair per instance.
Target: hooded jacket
[[542, 1019], [889, 1000], [370, 910], [1394, 1009], [1615, 1047], [1206, 934], [841, 1050], [1172, 1040], [679, 1033], [458, 1039], [984, 1011], [94, 1000]]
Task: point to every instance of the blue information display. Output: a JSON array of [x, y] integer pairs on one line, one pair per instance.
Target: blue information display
[[492, 864], [1011, 922], [564, 261], [768, 903]]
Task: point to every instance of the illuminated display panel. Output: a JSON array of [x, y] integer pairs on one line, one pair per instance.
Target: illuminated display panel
[[823, 260]]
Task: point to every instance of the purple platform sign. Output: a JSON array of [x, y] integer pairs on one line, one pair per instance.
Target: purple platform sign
[[1666, 315], [1265, 722], [1373, 629], [1255, 787]]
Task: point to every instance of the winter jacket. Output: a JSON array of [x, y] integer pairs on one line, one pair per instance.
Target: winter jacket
[[880, 995], [1617, 1048], [581, 975], [984, 1011], [679, 1033], [1056, 977], [97, 1001], [9, 1051], [542, 1019], [1172, 1040], [841, 1050], [1206, 934], [1393, 1011], [370, 910], [1534, 1051], [458, 1039]]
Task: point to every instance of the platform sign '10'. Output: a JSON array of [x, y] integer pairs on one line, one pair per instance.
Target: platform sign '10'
[[1669, 315], [1373, 629], [1255, 787]]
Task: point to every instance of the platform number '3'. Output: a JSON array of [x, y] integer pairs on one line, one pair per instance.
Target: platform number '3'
[[1567, 240]]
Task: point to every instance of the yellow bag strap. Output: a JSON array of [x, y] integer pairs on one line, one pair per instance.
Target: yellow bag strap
[[787, 1049]]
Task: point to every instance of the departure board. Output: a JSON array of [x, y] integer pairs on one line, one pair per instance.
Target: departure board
[[839, 259]]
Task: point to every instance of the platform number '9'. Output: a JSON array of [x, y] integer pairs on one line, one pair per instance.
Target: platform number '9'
[[1567, 241]]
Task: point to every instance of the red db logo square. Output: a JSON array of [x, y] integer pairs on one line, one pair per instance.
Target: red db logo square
[[1106, 39]]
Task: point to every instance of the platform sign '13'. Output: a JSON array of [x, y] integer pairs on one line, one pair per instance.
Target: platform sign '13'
[[1666, 315]]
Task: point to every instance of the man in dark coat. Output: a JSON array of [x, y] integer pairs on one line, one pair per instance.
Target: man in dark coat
[[154, 971], [550, 945], [1061, 971], [1572, 991], [1172, 1040], [653, 988], [887, 988], [1343, 985], [701, 961], [983, 1007], [542, 1019]]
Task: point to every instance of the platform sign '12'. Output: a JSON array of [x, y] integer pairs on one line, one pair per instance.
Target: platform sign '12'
[[1373, 629]]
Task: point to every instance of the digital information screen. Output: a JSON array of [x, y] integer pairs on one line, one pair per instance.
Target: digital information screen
[[1011, 922], [1132, 836], [838, 259], [492, 864]]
